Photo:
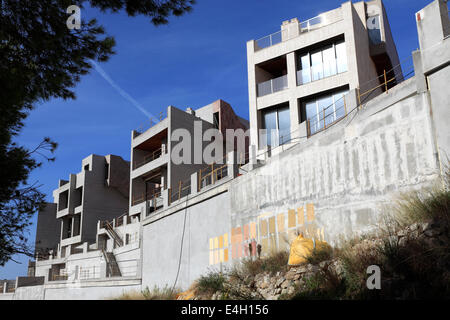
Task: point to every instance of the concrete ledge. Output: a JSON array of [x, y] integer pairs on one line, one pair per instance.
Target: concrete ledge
[[206, 193], [101, 282]]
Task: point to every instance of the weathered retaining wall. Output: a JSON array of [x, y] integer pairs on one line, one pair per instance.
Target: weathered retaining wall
[[180, 238], [336, 182], [333, 185], [88, 290]]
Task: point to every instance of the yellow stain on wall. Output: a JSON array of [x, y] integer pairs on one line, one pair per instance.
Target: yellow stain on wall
[[216, 243], [216, 256], [264, 245], [272, 225], [291, 218], [310, 212], [253, 230], [221, 255], [225, 240], [211, 257], [220, 242], [263, 227], [211, 243], [300, 216], [273, 243], [280, 222], [225, 255]]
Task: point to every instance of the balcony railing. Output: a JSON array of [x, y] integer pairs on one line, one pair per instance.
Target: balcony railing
[[142, 197], [272, 85], [305, 26], [327, 117], [268, 41], [149, 158]]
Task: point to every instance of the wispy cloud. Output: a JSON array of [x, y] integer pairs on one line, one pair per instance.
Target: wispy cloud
[[119, 90]]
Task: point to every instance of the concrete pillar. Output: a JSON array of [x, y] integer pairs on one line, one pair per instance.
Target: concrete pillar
[[232, 166], [290, 29], [163, 148], [252, 161], [351, 100], [433, 24], [194, 183], [85, 247], [5, 287], [293, 101], [165, 196], [421, 81], [253, 112]]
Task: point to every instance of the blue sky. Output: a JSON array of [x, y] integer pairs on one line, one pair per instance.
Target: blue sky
[[196, 59]]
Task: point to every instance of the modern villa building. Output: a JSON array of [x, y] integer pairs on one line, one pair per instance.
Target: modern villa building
[[298, 76]]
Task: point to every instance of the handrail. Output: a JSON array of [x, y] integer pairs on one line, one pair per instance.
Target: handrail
[[303, 26], [143, 196], [149, 158]]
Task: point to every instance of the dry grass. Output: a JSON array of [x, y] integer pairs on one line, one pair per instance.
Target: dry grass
[[156, 293]]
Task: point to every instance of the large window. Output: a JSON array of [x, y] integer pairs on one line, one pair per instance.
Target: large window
[[324, 110], [374, 29], [322, 63], [277, 123]]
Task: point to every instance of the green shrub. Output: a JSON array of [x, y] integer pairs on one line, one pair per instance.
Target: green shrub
[[211, 282], [319, 255]]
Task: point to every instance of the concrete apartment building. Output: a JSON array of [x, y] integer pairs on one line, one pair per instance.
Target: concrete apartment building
[[331, 185], [297, 77], [98, 192], [153, 171]]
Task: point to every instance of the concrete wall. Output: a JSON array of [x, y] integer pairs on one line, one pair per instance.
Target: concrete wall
[[186, 231], [48, 229], [346, 172], [89, 290], [338, 185], [100, 201]]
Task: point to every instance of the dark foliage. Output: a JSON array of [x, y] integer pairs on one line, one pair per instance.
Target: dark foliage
[[40, 59]]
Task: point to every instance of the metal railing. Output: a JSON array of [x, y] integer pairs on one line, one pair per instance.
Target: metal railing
[[327, 117], [272, 85], [92, 272], [149, 158], [136, 199], [269, 40], [181, 190], [212, 174], [311, 24], [151, 122], [304, 26], [62, 276]]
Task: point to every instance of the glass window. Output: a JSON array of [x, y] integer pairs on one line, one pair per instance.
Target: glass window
[[326, 62], [326, 111], [305, 70], [278, 126], [341, 57], [316, 65], [373, 26], [270, 124], [323, 111], [339, 105], [284, 125], [329, 62]]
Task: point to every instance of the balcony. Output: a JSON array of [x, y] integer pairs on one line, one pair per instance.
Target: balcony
[[272, 86], [149, 158], [300, 28]]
